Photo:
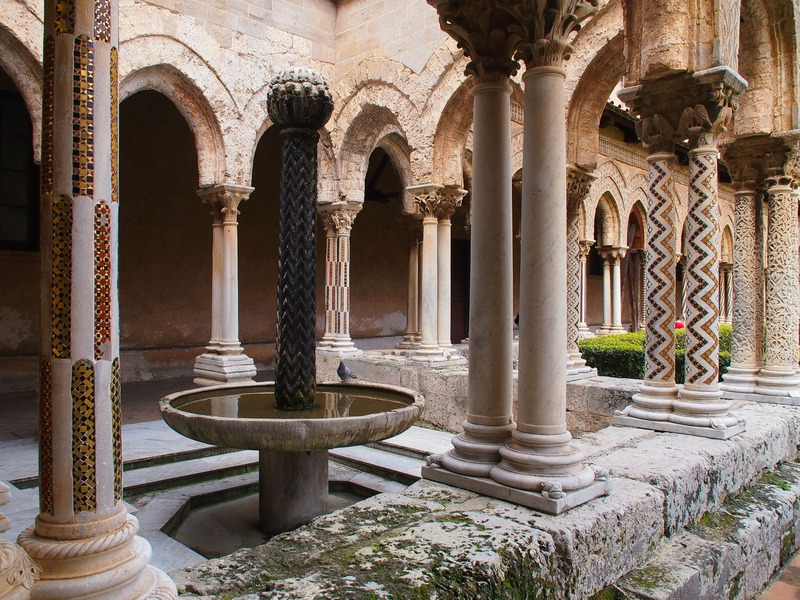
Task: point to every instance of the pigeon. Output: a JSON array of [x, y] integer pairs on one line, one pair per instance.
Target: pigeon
[[344, 372]]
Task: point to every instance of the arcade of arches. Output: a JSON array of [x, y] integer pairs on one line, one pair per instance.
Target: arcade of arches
[[605, 176]]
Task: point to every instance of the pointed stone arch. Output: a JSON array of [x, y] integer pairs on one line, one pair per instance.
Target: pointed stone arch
[[25, 70], [606, 214], [188, 95]]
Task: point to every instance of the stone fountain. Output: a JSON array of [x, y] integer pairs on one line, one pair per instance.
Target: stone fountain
[[294, 421]]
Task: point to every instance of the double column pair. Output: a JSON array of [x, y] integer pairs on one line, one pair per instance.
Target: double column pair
[[612, 257], [436, 203], [530, 462], [697, 107], [764, 367]]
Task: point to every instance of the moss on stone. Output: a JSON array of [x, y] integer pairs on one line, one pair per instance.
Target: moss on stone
[[647, 577]]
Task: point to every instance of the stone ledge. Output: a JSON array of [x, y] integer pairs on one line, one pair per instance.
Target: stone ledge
[[435, 539]]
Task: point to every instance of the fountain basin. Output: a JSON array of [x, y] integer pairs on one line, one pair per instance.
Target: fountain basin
[[293, 445], [228, 416]]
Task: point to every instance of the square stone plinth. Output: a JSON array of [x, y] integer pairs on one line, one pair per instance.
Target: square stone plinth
[[707, 432], [534, 500]]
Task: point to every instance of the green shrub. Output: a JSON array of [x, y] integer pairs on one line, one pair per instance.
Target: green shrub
[[623, 355]]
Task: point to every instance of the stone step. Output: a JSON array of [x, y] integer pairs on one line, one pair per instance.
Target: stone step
[[729, 553], [416, 442], [390, 465]]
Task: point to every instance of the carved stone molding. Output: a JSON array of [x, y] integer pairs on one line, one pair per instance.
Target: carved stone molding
[[584, 247], [579, 183], [753, 160], [339, 221], [439, 201]]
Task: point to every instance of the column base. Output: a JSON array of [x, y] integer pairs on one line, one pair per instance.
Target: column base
[[114, 565], [707, 432], [703, 407], [653, 402], [18, 573], [603, 330], [778, 381], [546, 502], [409, 342], [578, 369], [214, 369], [617, 329], [345, 349], [584, 332], [476, 450], [434, 356], [739, 379]]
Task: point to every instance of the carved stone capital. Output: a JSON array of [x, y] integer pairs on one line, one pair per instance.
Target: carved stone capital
[[764, 160], [698, 107], [486, 32], [547, 27], [299, 97], [584, 247], [579, 182], [448, 199], [224, 200], [339, 221], [424, 197], [439, 201], [612, 254]]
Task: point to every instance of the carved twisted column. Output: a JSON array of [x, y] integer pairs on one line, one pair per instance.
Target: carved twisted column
[[585, 246], [224, 359], [449, 199], [726, 293], [299, 102], [84, 540], [412, 319], [578, 184], [539, 458], [778, 376], [338, 221]]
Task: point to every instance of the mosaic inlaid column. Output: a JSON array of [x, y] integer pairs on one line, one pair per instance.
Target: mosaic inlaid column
[[585, 246], [654, 400], [539, 458], [449, 199], [337, 222], [606, 257], [746, 351], [778, 376], [224, 360], [617, 253], [83, 540], [700, 403], [578, 185], [412, 319]]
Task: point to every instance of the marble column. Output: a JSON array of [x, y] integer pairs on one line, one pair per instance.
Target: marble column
[[617, 254], [224, 359], [412, 320], [585, 246], [491, 320], [539, 458], [778, 376], [606, 257], [450, 197], [84, 541], [726, 293], [748, 284], [337, 221], [699, 403], [578, 185]]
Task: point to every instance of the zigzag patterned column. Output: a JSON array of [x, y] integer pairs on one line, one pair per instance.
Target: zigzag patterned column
[[84, 540], [337, 222], [654, 400], [299, 102], [699, 403]]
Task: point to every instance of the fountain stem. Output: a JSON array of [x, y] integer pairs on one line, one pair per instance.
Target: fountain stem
[[298, 101]]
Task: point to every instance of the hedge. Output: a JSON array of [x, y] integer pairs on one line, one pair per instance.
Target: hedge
[[623, 355]]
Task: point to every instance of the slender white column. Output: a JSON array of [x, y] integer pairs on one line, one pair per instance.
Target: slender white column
[[488, 423], [224, 359], [426, 198], [778, 376], [539, 457], [617, 254], [605, 327], [449, 198], [338, 222], [84, 542], [584, 249], [412, 321]]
